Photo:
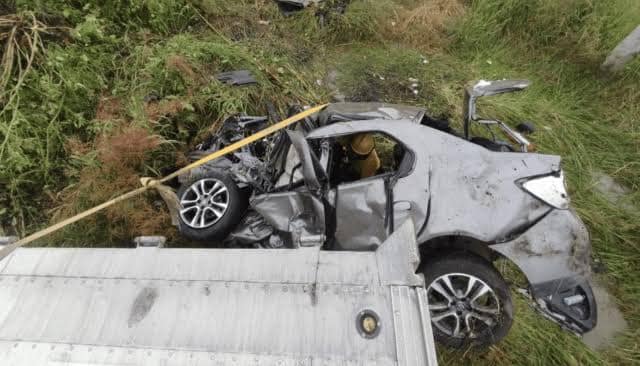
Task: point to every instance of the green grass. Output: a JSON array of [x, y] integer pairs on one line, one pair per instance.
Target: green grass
[[126, 51]]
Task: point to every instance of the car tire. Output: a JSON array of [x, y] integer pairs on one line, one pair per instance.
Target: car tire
[[482, 321], [211, 189]]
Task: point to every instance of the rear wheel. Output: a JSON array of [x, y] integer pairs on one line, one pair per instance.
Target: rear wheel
[[211, 205], [469, 301]]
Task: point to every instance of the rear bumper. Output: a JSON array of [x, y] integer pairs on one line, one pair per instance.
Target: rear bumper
[[569, 302], [555, 254]]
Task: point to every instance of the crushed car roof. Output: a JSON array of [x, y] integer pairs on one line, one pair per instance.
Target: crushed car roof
[[338, 112]]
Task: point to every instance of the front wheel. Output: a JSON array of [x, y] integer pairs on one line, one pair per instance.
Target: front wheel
[[469, 301], [211, 205]]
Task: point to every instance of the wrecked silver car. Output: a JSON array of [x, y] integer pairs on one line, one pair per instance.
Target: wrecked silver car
[[352, 173]]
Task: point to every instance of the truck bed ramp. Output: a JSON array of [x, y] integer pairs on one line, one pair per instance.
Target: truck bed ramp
[[161, 306]]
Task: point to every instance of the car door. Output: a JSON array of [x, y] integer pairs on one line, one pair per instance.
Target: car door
[[300, 211], [362, 220], [410, 186], [355, 214]]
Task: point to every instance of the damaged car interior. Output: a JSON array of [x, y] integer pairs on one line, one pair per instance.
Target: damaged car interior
[[348, 176]]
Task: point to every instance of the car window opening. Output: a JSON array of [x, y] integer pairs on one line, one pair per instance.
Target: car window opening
[[363, 155]]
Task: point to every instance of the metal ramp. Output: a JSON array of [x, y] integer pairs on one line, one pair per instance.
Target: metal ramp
[[158, 306]]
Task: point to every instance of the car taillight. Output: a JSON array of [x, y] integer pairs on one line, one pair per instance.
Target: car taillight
[[549, 188]]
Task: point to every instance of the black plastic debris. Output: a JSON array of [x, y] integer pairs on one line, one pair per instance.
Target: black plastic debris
[[526, 127], [290, 6], [151, 97], [239, 77]]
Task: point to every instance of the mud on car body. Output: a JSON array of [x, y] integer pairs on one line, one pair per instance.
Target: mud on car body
[[471, 198]]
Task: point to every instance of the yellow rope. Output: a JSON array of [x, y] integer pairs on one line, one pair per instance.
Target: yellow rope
[[150, 183]]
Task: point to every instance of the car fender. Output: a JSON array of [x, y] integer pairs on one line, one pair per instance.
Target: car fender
[[555, 256]]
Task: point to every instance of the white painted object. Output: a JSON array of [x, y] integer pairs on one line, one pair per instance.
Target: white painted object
[[161, 306], [624, 52]]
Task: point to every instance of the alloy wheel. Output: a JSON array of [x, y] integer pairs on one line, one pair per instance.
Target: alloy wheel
[[462, 305], [204, 203]]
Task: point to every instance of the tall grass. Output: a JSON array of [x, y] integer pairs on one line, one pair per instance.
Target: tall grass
[[156, 61], [581, 31], [589, 118]]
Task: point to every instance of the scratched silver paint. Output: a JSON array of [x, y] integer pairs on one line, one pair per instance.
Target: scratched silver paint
[[361, 214], [556, 247], [456, 188], [295, 212], [468, 189]]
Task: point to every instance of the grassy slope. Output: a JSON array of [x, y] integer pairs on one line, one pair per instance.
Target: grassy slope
[[164, 48], [594, 122]]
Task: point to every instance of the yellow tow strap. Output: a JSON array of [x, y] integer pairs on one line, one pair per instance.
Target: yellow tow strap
[[151, 183]]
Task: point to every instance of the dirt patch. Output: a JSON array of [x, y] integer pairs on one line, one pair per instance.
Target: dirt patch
[[425, 26], [181, 159], [126, 148], [182, 66], [610, 319], [163, 108], [74, 146], [142, 305], [612, 191], [331, 81], [109, 108]]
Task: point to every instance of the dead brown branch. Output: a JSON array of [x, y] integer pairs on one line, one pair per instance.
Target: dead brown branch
[[22, 37]]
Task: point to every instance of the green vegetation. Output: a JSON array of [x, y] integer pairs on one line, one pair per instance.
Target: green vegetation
[[95, 94]]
